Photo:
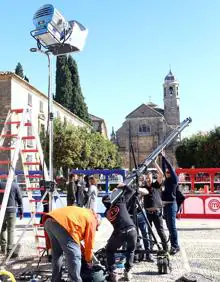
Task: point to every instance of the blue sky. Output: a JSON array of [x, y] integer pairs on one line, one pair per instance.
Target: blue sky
[[128, 52]]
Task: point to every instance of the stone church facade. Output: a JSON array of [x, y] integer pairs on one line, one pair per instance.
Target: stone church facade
[[148, 125]]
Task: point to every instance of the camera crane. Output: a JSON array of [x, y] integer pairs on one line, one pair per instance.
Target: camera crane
[[132, 177]]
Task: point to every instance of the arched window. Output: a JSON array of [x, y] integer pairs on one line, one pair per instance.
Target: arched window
[[144, 129], [171, 90]]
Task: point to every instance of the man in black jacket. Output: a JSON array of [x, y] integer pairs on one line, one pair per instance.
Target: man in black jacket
[[124, 232], [170, 204], [14, 201]]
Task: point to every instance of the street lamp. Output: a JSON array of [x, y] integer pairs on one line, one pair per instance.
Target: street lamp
[[50, 114]]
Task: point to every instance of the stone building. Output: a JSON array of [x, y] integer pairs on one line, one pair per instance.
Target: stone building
[[99, 125], [147, 126], [17, 93]]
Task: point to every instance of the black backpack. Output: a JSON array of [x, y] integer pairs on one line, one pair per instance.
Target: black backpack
[[96, 274], [180, 198]]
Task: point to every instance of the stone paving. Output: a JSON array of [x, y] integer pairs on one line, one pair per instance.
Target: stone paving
[[199, 255]]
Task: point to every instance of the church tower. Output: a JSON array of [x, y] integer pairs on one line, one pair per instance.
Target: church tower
[[171, 100]]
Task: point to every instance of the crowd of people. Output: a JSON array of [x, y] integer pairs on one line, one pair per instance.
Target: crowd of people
[[71, 229]]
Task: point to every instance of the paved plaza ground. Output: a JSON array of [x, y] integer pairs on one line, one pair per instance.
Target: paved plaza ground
[[199, 256]]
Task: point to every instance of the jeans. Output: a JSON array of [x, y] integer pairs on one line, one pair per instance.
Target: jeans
[[156, 218], [8, 227], [142, 224], [116, 240], [62, 242], [170, 217]]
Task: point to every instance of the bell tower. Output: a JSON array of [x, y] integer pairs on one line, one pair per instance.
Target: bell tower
[[171, 100]]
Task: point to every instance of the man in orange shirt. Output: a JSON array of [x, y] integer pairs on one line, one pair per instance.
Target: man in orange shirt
[[66, 228]]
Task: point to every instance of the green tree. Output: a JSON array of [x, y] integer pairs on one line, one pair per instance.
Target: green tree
[[200, 150], [77, 147], [63, 83], [78, 105], [19, 70], [26, 78]]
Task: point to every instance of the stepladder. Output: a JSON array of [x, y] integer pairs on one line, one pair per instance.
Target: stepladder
[[21, 156]]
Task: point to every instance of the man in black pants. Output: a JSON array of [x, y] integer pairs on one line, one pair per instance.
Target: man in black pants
[[153, 203], [170, 204], [8, 227], [124, 232]]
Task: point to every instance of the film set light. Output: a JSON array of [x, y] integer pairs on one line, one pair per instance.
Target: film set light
[[55, 33]]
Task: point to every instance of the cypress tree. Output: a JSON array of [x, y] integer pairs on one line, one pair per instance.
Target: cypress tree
[[78, 105], [63, 82], [19, 70]]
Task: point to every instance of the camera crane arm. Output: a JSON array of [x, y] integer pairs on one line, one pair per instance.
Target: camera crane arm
[[131, 178]]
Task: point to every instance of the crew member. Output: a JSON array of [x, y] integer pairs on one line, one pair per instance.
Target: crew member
[[66, 228], [153, 203], [8, 226], [169, 200], [124, 232]]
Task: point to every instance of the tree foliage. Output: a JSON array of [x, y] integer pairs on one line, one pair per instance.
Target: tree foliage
[[200, 150], [63, 83], [78, 105], [68, 89], [77, 147], [19, 70]]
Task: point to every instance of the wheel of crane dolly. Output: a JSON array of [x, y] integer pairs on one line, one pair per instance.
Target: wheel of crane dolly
[[6, 276]]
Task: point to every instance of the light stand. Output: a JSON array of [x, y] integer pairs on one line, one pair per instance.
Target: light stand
[[58, 37], [50, 121]]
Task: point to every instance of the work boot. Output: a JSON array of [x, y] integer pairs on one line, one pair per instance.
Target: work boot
[[14, 255], [3, 250], [173, 251], [112, 277], [149, 258], [127, 275]]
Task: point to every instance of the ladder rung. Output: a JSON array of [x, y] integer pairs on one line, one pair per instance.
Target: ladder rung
[[41, 248], [9, 135], [18, 111], [28, 137], [40, 236], [3, 176], [31, 163], [11, 122], [37, 201], [34, 189], [29, 151], [6, 148], [38, 224], [5, 162], [34, 176], [28, 124], [17, 123]]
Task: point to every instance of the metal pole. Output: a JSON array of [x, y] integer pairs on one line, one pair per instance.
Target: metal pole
[[50, 121], [50, 116]]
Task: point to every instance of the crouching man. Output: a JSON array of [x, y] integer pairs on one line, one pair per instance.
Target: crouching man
[[124, 232], [66, 228]]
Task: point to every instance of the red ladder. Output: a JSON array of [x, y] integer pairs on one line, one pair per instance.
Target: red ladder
[[16, 141]]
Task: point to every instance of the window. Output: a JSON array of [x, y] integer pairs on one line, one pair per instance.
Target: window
[[41, 106], [29, 99], [171, 90], [29, 133], [144, 129]]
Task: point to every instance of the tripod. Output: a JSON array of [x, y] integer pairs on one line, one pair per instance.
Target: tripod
[[136, 209]]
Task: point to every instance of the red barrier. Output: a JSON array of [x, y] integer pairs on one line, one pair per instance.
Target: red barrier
[[201, 187]]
